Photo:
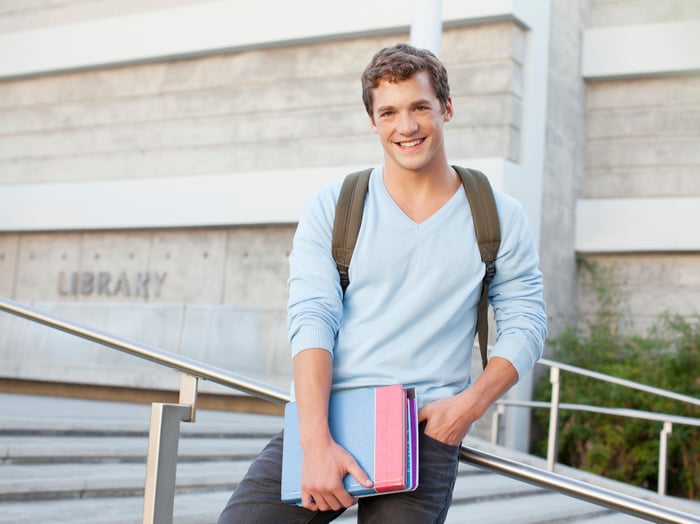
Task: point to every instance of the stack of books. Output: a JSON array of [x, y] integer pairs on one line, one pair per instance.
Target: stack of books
[[378, 426]]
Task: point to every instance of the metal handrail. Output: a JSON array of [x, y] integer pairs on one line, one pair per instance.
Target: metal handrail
[[174, 361], [620, 412], [575, 488], [555, 405], [620, 381], [193, 370]]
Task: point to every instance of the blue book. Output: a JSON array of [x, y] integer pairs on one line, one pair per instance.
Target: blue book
[[378, 426]]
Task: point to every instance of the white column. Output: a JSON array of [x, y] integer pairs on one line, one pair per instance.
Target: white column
[[426, 28]]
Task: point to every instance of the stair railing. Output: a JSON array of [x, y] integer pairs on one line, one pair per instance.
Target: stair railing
[[556, 405], [161, 462]]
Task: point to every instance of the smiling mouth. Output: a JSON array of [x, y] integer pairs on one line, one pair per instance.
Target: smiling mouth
[[411, 143]]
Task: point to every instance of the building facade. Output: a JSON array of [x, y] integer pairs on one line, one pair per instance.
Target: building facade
[[155, 156]]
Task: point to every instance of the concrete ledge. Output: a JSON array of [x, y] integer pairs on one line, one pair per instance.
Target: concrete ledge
[[637, 225], [266, 197], [263, 197], [228, 401], [641, 50], [211, 27]]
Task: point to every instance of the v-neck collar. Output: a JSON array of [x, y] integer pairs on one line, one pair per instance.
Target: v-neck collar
[[435, 217]]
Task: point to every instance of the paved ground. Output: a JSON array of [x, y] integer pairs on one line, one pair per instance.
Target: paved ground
[[79, 462]]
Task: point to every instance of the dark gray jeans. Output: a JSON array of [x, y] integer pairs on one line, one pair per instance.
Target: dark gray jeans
[[257, 498]]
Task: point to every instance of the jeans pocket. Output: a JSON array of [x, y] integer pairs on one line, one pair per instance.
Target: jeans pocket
[[433, 442]]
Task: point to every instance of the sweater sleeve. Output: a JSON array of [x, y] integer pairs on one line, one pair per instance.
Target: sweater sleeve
[[315, 297], [516, 292]]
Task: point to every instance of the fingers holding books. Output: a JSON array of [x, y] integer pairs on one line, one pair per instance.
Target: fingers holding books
[[322, 479]]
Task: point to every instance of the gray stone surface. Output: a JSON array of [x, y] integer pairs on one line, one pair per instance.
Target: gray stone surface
[[564, 155], [243, 340], [103, 485]]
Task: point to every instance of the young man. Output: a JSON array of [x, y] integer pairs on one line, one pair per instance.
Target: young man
[[409, 313]]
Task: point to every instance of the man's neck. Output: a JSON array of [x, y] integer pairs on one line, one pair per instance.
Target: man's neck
[[421, 193]]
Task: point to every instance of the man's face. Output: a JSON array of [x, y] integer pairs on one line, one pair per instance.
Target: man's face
[[409, 119]]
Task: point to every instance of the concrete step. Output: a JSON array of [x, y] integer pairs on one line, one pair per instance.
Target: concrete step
[[203, 489], [56, 449], [93, 478], [47, 481], [85, 461], [199, 508], [35, 415], [475, 485], [542, 508], [190, 508]]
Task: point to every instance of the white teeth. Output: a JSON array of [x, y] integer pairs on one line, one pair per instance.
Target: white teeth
[[412, 143]]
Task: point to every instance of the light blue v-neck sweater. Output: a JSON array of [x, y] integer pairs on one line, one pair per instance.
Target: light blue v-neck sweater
[[409, 313]]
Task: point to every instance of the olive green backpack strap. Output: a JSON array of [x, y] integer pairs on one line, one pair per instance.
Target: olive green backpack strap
[[488, 236], [348, 217]]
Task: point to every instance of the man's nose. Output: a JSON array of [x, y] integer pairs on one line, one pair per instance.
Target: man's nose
[[407, 124]]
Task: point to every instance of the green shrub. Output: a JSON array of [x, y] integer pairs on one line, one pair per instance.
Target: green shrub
[[622, 448]]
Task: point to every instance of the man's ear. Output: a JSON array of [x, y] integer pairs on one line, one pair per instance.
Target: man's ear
[[449, 110]]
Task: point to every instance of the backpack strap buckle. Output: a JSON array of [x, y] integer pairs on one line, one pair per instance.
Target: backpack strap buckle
[[490, 272]]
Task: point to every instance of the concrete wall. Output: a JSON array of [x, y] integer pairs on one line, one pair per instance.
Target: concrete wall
[[24, 15], [247, 341], [642, 137], [606, 13], [642, 143], [242, 266], [216, 114], [227, 113], [216, 293], [565, 141], [642, 287]]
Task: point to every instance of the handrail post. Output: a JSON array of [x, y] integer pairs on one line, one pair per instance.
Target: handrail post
[[161, 462], [552, 437], [496, 422], [663, 456], [188, 394]]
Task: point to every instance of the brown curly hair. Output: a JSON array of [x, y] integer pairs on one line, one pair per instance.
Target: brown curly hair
[[400, 62]]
